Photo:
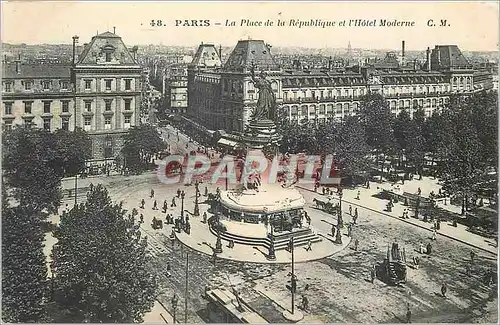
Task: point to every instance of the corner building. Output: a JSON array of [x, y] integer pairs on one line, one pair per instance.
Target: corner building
[[107, 95], [222, 96], [100, 93]]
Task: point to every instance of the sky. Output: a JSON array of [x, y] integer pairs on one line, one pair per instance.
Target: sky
[[473, 26]]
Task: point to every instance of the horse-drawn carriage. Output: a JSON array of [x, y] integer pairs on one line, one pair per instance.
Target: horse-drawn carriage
[[328, 207]]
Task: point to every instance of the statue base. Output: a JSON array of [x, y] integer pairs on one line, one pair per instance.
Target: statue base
[[260, 134]]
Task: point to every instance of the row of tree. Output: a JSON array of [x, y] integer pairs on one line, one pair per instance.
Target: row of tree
[[459, 140], [99, 264]]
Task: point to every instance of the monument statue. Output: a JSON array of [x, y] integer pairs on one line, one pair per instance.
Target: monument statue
[[266, 103]]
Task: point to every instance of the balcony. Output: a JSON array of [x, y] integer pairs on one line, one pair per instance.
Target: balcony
[[320, 100]]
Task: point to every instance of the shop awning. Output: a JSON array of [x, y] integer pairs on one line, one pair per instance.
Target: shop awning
[[227, 143]]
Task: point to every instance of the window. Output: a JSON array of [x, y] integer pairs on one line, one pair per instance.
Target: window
[[27, 107], [8, 109], [127, 119], [107, 122], [128, 84], [27, 85], [7, 125], [46, 107], [108, 57], [108, 84], [88, 105], [127, 104], [64, 85], [46, 124], [107, 103], [183, 96], [88, 84], [8, 87], [65, 124], [46, 85], [65, 106]]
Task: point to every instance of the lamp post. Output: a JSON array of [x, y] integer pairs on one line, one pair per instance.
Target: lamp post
[[183, 194], [196, 207], [218, 243], [73, 79], [174, 301], [186, 292], [340, 222]]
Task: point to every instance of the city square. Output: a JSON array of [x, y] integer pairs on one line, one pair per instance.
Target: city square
[[252, 177]]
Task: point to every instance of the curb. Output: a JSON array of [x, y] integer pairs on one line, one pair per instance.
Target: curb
[[408, 222]]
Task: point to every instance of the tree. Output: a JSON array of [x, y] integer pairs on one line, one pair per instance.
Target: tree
[[24, 270], [100, 263], [141, 143], [376, 119], [461, 168], [351, 149], [32, 168], [73, 148]]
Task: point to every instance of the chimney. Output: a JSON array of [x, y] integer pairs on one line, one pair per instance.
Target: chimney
[[415, 64], [18, 66], [220, 52], [403, 49], [428, 59], [5, 58], [114, 30]]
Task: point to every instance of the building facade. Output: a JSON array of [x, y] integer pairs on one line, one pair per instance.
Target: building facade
[[100, 93], [223, 97]]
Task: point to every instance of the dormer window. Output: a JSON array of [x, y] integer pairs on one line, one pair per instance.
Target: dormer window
[[108, 57]]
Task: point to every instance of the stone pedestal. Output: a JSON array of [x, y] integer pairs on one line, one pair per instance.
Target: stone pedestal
[[295, 317], [261, 134]]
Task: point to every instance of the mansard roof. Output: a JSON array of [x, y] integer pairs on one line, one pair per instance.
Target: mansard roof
[[448, 57], [94, 53], [206, 56], [248, 52], [35, 71]]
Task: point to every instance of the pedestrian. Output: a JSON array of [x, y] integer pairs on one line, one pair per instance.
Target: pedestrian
[[350, 210], [443, 290], [305, 303], [408, 314], [309, 243], [355, 215], [141, 218], [372, 274], [231, 243], [419, 191], [472, 257], [178, 193], [333, 230], [205, 217], [142, 203], [206, 191], [357, 196], [434, 231], [416, 262], [356, 243], [173, 202], [155, 205], [152, 193]]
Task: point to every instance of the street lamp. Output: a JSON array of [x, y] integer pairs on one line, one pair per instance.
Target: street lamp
[[196, 207], [183, 194], [174, 305], [340, 222], [218, 243]]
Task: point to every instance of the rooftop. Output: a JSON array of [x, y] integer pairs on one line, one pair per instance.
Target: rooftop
[[38, 71]]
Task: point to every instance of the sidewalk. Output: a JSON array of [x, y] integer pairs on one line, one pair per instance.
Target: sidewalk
[[369, 202], [158, 315]]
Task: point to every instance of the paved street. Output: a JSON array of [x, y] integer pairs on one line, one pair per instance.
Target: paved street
[[334, 283]]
